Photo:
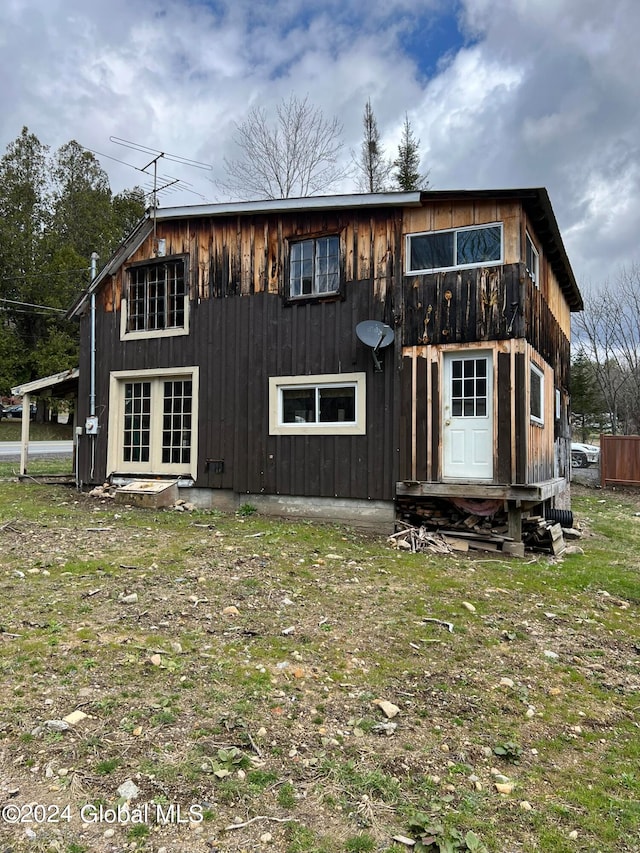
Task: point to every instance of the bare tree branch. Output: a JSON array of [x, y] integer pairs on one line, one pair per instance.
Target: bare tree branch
[[296, 154], [607, 333]]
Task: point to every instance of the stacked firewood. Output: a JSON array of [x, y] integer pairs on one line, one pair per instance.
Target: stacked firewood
[[540, 534], [437, 525]]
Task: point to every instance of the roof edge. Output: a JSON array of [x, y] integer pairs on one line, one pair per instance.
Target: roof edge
[[129, 245], [46, 382], [277, 205]]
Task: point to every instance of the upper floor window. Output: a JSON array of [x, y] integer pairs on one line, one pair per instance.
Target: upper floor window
[[532, 261], [456, 248], [314, 267], [156, 300], [536, 394]]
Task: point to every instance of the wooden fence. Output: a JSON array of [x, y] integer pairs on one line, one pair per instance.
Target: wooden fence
[[620, 460]]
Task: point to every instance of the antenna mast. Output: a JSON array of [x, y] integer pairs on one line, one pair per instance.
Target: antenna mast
[[157, 155]]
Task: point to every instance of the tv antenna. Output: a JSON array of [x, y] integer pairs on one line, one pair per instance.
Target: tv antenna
[[376, 335], [170, 182], [158, 155]]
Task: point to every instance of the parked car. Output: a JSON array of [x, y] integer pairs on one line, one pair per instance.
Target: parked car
[[15, 412], [583, 455]]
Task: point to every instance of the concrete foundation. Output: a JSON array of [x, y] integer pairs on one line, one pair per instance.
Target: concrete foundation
[[370, 515]]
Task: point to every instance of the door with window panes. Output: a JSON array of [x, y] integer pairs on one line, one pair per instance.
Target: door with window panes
[[467, 423], [156, 427]]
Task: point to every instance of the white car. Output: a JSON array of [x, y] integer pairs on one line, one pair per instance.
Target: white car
[[583, 455]]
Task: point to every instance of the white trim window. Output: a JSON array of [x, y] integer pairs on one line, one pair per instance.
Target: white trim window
[[328, 404], [155, 302], [455, 248], [314, 267], [532, 261], [536, 394], [153, 421]]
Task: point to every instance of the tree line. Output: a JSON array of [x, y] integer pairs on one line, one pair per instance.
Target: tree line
[[55, 210], [605, 370], [297, 151]]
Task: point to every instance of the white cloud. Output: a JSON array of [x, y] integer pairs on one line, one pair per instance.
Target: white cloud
[[530, 92]]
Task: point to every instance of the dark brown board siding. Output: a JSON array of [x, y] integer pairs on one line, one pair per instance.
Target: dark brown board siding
[[503, 461], [239, 342], [521, 420]]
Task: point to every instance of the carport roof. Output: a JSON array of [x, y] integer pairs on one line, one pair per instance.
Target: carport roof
[[60, 385]]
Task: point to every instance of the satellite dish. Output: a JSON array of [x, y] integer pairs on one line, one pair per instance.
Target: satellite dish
[[376, 335]]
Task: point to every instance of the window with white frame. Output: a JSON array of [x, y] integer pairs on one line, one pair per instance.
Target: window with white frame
[[156, 300], [532, 261], [536, 394], [314, 267], [456, 248], [329, 404], [152, 422]]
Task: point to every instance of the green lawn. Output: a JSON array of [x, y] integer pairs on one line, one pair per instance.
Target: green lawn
[[235, 663]]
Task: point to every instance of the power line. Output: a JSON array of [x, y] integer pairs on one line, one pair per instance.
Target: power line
[[176, 158], [33, 305], [39, 275]]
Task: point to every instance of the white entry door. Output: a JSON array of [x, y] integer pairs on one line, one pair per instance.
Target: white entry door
[[467, 423]]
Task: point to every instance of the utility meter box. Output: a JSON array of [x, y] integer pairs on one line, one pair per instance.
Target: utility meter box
[[91, 426]]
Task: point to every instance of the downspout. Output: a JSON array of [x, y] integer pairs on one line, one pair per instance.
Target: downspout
[[92, 391], [92, 378]]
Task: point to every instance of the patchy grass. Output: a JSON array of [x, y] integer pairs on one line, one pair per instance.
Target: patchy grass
[[11, 430], [229, 667]]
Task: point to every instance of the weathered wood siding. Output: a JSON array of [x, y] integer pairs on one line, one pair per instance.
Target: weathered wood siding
[[483, 304], [244, 255], [455, 214], [243, 330], [524, 452], [550, 290]]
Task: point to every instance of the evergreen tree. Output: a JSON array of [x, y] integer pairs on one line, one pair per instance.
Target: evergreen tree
[[587, 404], [372, 166], [54, 212], [24, 218], [407, 164]]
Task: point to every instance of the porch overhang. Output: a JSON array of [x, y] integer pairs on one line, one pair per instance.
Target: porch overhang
[[524, 495], [60, 386]]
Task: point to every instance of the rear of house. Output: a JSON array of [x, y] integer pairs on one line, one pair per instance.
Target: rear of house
[[219, 349]]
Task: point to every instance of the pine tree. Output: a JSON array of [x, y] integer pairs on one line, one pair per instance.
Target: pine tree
[[54, 211], [407, 164], [374, 169]]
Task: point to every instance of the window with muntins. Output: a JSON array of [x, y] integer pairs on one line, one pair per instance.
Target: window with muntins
[[478, 245], [153, 417], [176, 421], [157, 297], [314, 267], [176, 399], [469, 388]]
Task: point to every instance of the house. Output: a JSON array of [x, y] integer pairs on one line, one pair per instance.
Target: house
[[227, 347]]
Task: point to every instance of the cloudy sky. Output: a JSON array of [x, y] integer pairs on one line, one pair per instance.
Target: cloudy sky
[[501, 93]]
